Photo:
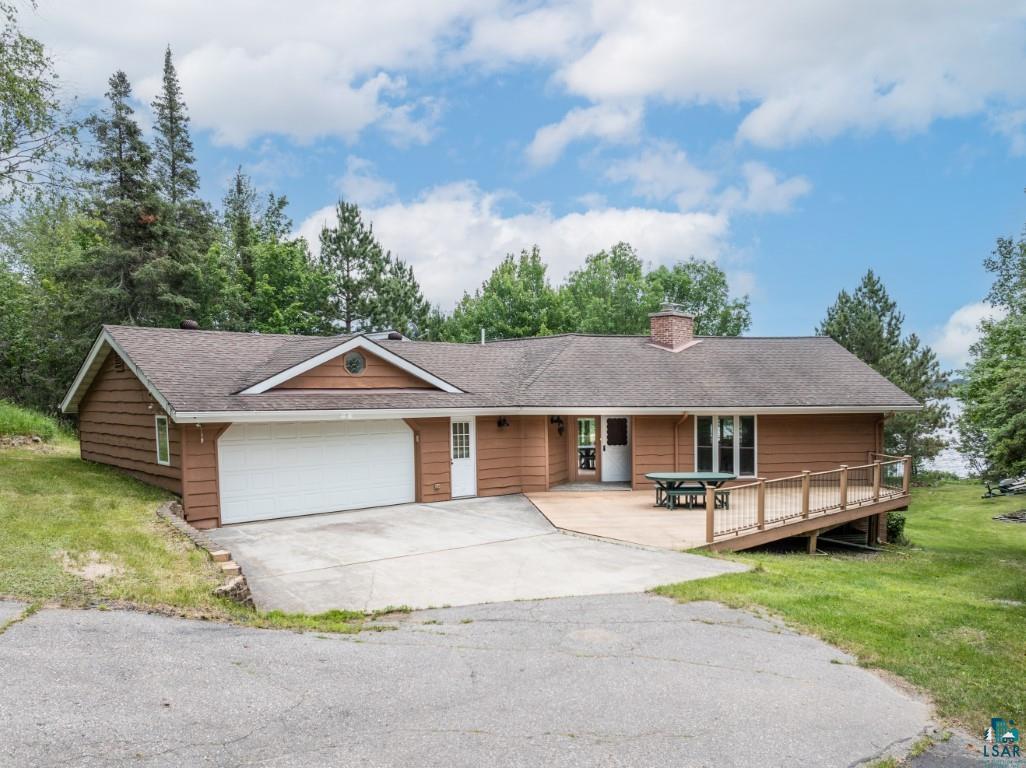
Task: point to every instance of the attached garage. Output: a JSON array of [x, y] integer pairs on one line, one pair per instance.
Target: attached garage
[[282, 470]]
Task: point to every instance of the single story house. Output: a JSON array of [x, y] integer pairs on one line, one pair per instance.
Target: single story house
[[247, 426]]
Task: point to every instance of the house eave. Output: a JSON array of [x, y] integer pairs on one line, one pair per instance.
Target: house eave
[[252, 416]]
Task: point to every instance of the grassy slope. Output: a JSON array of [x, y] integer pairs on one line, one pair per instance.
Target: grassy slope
[[17, 421], [53, 503], [933, 614]]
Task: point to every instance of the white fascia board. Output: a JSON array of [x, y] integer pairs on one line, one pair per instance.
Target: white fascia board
[[210, 417], [357, 342], [102, 341]]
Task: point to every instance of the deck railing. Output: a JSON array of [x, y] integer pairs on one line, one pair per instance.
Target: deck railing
[[765, 503]]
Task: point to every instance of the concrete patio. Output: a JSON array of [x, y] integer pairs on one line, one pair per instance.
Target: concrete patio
[[628, 516]]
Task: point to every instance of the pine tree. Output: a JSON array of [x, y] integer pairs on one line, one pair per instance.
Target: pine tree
[[868, 324], [239, 221], [356, 267], [174, 161], [405, 309]]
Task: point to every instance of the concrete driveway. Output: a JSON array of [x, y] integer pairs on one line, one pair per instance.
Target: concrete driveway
[[622, 680], [450, 553]]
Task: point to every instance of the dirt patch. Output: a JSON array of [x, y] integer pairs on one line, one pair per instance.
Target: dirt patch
[[91, 566], [32, 442]]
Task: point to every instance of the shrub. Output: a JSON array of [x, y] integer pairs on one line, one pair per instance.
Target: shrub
[[18, 421], [896, 528], [931, 478]]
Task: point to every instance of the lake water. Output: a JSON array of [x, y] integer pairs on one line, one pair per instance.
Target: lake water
[[950, 460]]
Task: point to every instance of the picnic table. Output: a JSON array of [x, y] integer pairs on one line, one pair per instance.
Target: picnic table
[[689, 486], [586, 457]]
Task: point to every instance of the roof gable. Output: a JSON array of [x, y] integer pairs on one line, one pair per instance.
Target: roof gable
[[280, 379], [377, 374]]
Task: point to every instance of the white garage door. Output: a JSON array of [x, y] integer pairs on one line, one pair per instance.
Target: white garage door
[[282, 470]]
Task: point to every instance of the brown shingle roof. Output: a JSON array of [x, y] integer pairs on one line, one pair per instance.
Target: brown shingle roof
[[203, 371]]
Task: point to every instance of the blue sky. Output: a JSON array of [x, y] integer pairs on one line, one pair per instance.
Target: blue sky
[[796, 145]]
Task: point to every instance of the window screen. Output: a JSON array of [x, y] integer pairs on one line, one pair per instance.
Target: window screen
[[461, 439], [163, 441], [746, 445], [725, 442], [704, 442]]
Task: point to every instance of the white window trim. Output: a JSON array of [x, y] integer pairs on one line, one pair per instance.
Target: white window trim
[[167, 433], [737, 441]]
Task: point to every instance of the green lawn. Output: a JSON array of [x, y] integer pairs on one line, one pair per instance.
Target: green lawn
[[947, 614], [63, 520]]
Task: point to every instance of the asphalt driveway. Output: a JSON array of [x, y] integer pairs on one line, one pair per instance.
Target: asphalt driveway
[[450, 553], [622, 680]]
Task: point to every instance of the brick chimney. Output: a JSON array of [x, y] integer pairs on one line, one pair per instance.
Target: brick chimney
[[672, 327]]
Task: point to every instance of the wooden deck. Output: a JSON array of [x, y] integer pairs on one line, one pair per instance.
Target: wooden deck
[[758, 512]]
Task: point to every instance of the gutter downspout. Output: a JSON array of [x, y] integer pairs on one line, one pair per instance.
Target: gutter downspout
[[676, 441]]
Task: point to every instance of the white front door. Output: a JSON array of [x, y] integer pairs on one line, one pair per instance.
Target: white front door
[[616, 449], [464, 458]]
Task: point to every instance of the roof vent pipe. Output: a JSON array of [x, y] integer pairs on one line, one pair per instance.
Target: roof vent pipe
[[482, 335], [395, 336], [188, 325]]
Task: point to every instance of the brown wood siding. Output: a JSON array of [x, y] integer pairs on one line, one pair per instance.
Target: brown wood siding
[[378, 374], [498, 456], [117, 427], [789, 444], [534, 454], [201, 498], [559, 452], [786, 445], [653, 446], [432, 459]]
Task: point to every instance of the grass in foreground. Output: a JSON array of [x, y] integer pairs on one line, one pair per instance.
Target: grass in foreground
[[16, 421], [79, 534], [947, 614]]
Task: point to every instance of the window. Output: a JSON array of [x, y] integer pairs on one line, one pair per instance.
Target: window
[[354, 363], [725, 444], [616, 431], [163, 441], [461, 439]]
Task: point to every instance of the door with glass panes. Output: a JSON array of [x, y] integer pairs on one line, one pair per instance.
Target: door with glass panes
[[726, 444]]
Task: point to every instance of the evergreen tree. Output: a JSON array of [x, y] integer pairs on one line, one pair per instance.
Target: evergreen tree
[[992, 426], [125, 200], [356, 266], [868, 324], [405, 309], [240, 221], [174, 161]]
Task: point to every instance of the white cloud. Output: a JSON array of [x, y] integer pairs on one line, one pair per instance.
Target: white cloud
[[961, 331], [811, 70], [361, 183], [792, 70], [251, 67], [606, 122], [459, 230], [764, 191], [1012, 125], [662, 171]]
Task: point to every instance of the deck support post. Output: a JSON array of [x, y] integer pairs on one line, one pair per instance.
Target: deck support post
[[906, 475], [761, 504], [876, 481], [844, 487], [710, 514], [805, 492], [813, 542]]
